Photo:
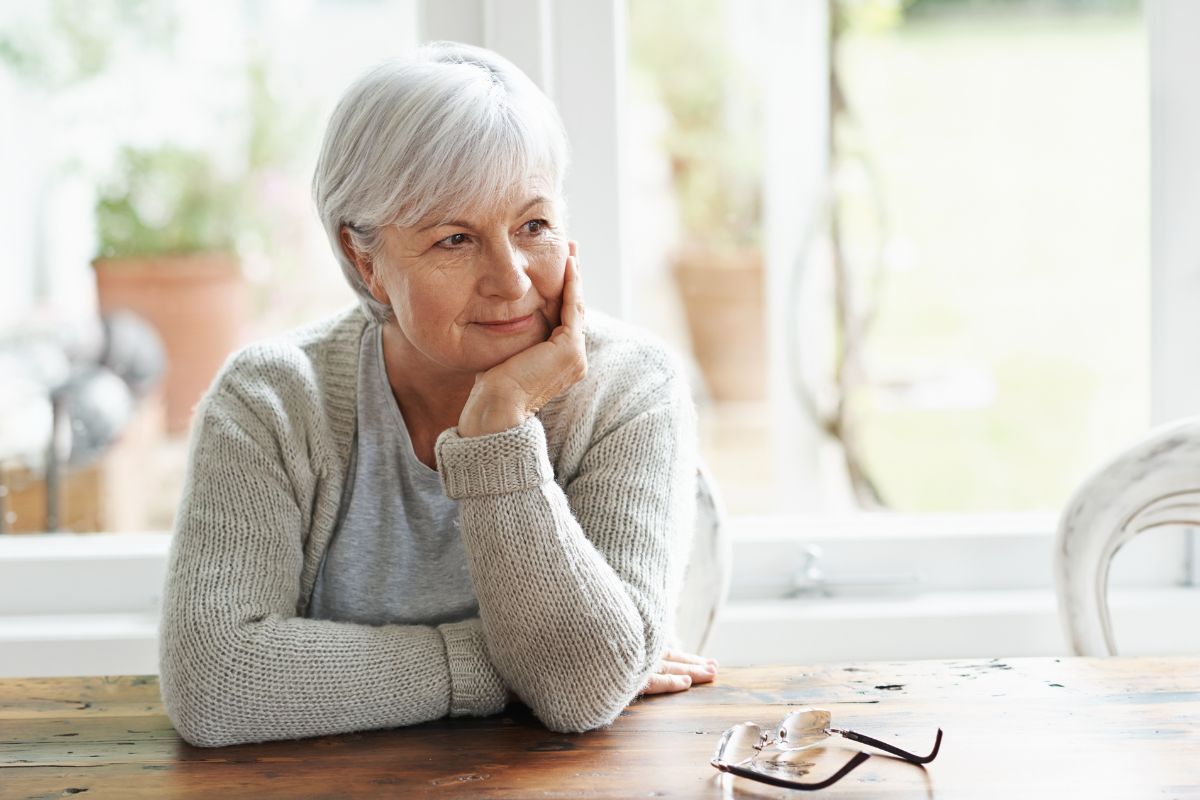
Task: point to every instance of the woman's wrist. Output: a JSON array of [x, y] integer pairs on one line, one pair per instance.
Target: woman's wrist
[[490, 412], [488, 421]]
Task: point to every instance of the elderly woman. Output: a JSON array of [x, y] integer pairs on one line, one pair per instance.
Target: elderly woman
[[456, 494]]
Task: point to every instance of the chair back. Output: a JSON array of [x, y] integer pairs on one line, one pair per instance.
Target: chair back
[[1154, 484], [706, 581]]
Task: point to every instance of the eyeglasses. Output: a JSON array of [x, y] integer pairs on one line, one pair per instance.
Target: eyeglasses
[[742, 746]]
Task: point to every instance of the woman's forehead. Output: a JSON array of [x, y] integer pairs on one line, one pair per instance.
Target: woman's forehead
[[520, 200]]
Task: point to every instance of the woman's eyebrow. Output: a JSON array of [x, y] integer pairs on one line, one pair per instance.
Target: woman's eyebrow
[[441, 223], [536, 201]]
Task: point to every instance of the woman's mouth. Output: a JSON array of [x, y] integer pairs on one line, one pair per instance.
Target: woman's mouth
[[503, 326]]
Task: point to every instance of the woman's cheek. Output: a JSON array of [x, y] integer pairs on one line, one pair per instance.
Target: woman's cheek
[[549, 275]]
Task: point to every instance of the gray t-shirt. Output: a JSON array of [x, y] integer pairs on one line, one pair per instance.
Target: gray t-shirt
[[396, 555]]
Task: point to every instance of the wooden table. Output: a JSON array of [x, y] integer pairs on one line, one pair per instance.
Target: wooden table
[[1086, 728]]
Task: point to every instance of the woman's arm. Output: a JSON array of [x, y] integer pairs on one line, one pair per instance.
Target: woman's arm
[[238, 664], [575, 586]]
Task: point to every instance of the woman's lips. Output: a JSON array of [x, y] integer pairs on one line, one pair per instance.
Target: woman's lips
[[514, 325]]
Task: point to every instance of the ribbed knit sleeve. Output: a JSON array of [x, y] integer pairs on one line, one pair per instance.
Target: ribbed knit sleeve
[[499, 463], [238, 661], [576, 572]]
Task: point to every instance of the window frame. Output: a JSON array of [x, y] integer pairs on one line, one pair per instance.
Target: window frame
[[1171, 27]]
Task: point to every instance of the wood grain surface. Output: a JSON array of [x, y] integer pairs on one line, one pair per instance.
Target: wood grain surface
[[1064, 728]]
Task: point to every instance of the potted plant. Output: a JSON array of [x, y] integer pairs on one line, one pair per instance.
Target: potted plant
[[166, 225], [710, 140], [719, 271]]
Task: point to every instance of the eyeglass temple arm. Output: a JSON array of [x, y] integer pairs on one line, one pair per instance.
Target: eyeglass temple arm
[[896, 751], [762, 777]]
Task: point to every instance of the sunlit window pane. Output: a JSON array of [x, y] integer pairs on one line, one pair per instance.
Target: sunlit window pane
[[989, 227]]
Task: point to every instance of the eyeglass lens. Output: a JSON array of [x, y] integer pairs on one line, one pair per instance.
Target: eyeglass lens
[[738, 745], [804, 727]]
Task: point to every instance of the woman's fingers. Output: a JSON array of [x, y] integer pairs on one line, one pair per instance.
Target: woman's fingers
[[572, 300], [679, 671], [661, 684], [699, 673]]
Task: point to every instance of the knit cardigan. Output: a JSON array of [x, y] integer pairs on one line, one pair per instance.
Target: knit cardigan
[[577, 525]]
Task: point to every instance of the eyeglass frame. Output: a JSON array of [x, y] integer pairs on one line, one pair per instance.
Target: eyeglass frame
[[765, 741]]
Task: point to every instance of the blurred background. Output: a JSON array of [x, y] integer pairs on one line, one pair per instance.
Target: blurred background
[[905, 245], [984, 223]]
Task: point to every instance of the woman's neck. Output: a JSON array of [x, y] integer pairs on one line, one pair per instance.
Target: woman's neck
[[430, 399]]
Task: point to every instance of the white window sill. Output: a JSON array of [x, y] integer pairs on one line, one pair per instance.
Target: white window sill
[[973, 624], [961, 586]]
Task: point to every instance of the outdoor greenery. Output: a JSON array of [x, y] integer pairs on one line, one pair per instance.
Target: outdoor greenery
[[159, 198], [78, 39], [714, 156], [1006, 142], [167, 201], [1010, 351], [868, 14]]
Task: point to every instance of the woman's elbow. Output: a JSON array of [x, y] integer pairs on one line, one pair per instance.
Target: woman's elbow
[[200, 722], [202, 714], [591, 693], [586, 705], [578, 718]]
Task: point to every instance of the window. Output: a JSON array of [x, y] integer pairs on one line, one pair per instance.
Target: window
[[974, 337], [123, 103], [990, 188]]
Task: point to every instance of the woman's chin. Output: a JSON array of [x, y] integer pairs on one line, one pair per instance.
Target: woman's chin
[[492, 349]]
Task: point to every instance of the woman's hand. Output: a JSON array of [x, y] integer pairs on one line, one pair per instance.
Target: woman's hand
[[509, 393], [678, 671]]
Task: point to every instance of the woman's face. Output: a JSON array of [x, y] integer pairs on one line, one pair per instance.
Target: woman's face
[[473, 288]]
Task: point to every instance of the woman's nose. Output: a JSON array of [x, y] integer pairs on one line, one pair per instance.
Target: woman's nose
[[506, 273]]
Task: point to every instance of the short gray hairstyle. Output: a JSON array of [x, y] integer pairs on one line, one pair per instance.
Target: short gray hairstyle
[[437, 131]]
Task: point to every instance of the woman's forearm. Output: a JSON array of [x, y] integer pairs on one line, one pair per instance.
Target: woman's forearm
[[573, 586], [560, 624], [286, 678]]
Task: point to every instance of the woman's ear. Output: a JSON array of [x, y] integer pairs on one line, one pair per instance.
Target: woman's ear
[[366, 269]]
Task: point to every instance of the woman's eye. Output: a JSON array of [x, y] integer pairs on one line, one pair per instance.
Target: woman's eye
[[536, 226], [453, 241]]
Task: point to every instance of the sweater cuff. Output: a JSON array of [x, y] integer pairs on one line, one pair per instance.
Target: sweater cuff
[[497, 463], [475, 687]]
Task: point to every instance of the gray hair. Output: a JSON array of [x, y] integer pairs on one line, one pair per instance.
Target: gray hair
[[436, 131]]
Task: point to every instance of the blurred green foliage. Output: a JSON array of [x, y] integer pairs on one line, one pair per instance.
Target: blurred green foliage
[[920, 6], [868, 15], [76, 39], [164, 198], [680, 50], [1013, 159], [167, 201]]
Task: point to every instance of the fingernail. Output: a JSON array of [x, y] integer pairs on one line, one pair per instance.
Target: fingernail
[[687, 680], [713, 662], [711, 669]]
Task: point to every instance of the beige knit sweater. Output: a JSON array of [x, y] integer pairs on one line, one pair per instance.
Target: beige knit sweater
[[577, 524]]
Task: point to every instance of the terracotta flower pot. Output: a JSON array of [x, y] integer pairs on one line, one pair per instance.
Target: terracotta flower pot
[[198, 305], [723, 299]]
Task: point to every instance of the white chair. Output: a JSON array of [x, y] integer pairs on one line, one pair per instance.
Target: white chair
[[706, 582], [1154, 484]]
